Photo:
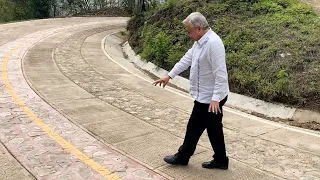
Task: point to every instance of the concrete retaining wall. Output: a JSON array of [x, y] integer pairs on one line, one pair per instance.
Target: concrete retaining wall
[[235, 100]]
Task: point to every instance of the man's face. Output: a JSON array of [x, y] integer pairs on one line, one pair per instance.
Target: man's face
[[194, 33]]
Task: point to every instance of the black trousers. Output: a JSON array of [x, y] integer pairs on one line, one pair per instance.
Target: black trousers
[[200, 120]]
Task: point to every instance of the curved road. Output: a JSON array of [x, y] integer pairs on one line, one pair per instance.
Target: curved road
[[69, 110]]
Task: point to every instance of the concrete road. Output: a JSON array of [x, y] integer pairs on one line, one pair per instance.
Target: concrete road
[[72, 107]]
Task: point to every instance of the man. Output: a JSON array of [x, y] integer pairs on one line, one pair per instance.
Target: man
[[208, 86]]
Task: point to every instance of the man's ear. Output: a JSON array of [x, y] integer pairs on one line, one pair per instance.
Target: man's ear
[[198, 28]]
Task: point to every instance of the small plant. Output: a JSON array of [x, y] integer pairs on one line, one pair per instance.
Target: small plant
[[282, 84], [123, 33]]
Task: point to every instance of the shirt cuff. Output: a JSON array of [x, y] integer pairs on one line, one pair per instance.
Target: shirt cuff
[[171, 74], [216, 98]]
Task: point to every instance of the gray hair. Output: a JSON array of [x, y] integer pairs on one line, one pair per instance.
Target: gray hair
[[197, 19]]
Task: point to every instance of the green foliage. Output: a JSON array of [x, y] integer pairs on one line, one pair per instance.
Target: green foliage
[[264, 7], [123, 33], [6, 11], [157, 49], [135, 26], [171, 3], [272, 46], [129, 6], [282, 83], [40, 8], [21, 10]]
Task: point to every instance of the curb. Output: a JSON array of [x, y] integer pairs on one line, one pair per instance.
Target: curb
[[238, 101]]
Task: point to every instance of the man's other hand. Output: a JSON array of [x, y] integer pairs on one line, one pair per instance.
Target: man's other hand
[[214, 107]]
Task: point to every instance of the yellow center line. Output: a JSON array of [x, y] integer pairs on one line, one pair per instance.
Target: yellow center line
[[55, 136]]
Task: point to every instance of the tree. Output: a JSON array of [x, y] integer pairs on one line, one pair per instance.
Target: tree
[[53, 5], [129, 6], [40, 8], [141, 6]]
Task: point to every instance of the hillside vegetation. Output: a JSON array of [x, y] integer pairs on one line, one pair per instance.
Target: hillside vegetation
[[273, 46], [17, 10], [20, 10]]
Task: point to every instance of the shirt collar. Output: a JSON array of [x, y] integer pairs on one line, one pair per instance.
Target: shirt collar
[[204, 38]]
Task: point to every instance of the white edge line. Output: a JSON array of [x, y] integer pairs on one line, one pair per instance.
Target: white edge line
[[226, 108]]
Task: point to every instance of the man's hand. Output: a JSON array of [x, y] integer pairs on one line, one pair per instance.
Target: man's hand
[[214, 107], [163, 81]]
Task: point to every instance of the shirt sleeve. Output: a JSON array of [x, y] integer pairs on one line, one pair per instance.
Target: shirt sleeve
[[182, 65], [217, 59]]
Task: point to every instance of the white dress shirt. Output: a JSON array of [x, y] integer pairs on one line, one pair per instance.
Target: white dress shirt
[[208, 73]]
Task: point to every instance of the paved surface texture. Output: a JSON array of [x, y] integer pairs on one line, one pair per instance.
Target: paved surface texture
[[70, 109], [10, 169]]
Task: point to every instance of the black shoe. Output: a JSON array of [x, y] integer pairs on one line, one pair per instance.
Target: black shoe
[[176, 159], [216, 165]]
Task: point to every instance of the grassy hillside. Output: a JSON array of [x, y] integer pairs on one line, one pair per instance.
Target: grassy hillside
[[273, 46]]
